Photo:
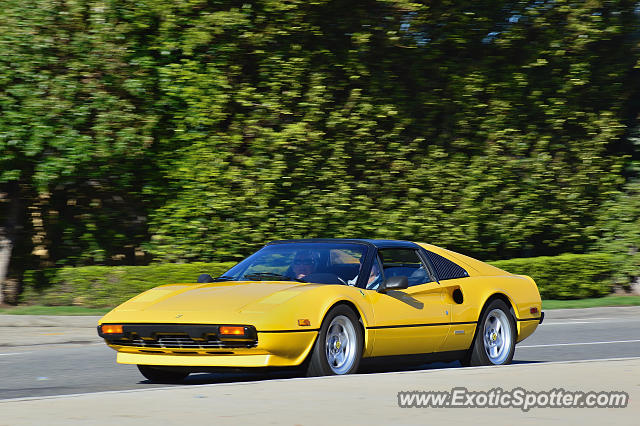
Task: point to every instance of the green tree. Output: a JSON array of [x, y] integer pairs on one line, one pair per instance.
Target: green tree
[[76, 119], [197, 130]]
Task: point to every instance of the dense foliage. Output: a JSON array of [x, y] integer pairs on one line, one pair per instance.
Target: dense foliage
[[197, 130]]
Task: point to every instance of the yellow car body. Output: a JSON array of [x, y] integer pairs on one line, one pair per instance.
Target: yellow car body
[[285, 317]]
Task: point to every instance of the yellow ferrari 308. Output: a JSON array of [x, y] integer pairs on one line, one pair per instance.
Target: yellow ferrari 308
[[323, 305]]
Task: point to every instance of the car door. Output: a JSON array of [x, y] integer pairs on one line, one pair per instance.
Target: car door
[[456, 284], [410, 321]]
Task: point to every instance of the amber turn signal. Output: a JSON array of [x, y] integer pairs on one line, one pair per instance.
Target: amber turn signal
[[111, 329], [304, 322], [231, 331]]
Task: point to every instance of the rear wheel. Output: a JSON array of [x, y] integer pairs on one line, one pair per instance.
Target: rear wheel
[[158, 375], [338, 348], [495, 339]]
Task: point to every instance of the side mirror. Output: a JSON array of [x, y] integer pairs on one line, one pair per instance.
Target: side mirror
[[205, 278], [398, 282]]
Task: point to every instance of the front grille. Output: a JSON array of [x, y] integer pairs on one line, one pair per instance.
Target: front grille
[[180, 336], [184, 342]]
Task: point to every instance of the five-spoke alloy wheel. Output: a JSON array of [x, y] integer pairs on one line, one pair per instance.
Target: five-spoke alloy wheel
[[495, 339], [338, 348], [497, 336]]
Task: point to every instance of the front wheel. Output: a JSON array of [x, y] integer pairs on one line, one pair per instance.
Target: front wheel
[[338, 348], [158, 375], [495, 339]]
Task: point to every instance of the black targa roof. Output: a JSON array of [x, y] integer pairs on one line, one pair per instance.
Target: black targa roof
[[369, 242]]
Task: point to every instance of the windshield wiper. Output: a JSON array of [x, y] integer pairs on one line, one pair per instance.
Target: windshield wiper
[[270, 275], [224, 278]]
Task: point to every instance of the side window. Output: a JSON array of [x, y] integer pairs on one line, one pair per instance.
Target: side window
[[404, 262], [446, 269]]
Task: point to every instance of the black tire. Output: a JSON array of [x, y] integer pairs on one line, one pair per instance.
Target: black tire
[[158, 375], [330, 349], [491, 347]]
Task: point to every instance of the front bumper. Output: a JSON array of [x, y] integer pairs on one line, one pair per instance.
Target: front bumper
[[274, 349]]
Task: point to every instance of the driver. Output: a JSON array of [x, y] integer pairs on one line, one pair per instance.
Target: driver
[[305, 263]]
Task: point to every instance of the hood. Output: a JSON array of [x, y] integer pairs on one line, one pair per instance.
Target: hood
[[219, 302]]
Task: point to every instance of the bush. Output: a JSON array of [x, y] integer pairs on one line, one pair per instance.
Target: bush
[[620, 227], [108, 286], [568, 276]]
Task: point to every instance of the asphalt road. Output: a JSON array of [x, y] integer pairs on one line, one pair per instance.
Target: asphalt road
[[45, 370]]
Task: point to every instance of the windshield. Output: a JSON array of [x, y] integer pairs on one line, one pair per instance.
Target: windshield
[[323, 263]]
